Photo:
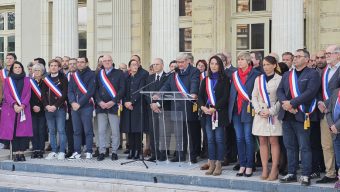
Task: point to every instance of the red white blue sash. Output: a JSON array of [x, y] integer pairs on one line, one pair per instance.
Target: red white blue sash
[[241, 89], [3, 74], [79, 83], [35, 88], [68, 75], [264, 94], [202, 75], [295, 92], [15, 94], [325, 90], [209, 87], [54, 88], [180, 86], [107, 84]]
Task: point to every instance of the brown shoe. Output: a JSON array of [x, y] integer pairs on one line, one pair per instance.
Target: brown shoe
[[211, 168], [218, 169], [205, 166], [146, 152]]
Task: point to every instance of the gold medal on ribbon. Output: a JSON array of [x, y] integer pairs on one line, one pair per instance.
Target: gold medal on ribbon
[[306, 124], [253, 112], [119, 110], [194, 107], [248, 108]]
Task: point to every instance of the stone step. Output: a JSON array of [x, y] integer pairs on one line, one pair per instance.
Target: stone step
[[28, 181]]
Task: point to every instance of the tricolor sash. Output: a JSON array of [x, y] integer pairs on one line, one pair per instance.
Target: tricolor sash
[[241, 89], [3, 74], [14, 91], [209, 87], [83, 89], [53, 87], [264, 94], [107, 84], [35, 88], [325, 90], [180, 86], [295, 92], [68, 75], [202, 75]]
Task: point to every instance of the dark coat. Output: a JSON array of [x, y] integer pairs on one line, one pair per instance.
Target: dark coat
[[191, 80], [329, 115], [117, 79], [48, 96], [309, 83], [35, 101], [229, 71], [134, 121], [245, 116], [221, 91], [75, 95]]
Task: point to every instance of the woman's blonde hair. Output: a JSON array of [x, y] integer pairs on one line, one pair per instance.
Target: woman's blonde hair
[[244, 55]]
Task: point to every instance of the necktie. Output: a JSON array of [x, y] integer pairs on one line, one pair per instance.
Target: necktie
[[157, 78]]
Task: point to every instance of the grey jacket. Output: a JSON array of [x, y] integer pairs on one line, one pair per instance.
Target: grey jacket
[[329, 114]]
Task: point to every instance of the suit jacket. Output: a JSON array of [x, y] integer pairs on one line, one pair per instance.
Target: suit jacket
[[333, 84], [329, 115], [229, 71], [191, 80], [156, 86], [309, 83], [245, 116], [221, 91]]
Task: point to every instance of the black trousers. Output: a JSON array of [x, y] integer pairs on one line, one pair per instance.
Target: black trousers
[[19, 143], [69, 134], [317, 154], [230, 143], [135, 141], [194, 130]]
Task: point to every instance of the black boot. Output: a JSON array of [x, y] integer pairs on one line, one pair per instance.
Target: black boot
[[34, 154], [96, 153], [40, 154], [16, 158], [107, 152], [131, 152], [22, 157], [137, 156]]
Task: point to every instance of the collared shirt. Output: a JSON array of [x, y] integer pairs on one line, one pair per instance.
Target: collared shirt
[[183, 70], [228, 67], [332, 70], [158, 74], [107, 71]]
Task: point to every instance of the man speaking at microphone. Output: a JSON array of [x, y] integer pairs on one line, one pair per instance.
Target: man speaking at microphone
[[185, 81]]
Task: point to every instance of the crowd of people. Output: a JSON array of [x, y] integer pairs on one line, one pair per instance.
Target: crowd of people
[[258, 111]]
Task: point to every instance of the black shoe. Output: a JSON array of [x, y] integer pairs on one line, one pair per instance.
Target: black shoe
[[314, 175], [193, 160], [305, 180], [48, 148], [326, 179], [236, 167], [22, 157], [69, 154], [114, 157], [162, 156], [41, 154], [225, 162], [283, 172], [177, 159], [120, 147], [34, 154], [126, 151], [16, 158], [101, 157], [152, 158], [289, 178], [137, 156], [107, 152], [95, 154], [130, 154]]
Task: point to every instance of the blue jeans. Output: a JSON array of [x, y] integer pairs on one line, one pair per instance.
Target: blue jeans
[[215, 140], [82, 121], [39, 131], [336, 145], [296, 138], [245, 142], [56, 122]]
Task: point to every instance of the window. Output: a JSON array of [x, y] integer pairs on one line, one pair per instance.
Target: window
[[82, 44], [250, 37], [7, 33], [185, 39], [250, 5], [185, 7]]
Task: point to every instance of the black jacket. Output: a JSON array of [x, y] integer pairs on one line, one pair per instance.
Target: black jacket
[[48, 96], [35, 101]]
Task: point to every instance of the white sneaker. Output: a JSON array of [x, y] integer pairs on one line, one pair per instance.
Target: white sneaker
[[74, 156], [88, 155], [51, 155], [61, 156]]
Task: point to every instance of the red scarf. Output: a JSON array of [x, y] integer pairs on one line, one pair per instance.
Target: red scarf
[[243, 77]]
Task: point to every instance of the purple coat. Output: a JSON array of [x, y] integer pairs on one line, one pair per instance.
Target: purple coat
[[24, 129]]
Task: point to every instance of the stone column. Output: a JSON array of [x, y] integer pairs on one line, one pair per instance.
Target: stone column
[[165, 30], [121, 30], [312, 25], [65, 28], [287, 25]]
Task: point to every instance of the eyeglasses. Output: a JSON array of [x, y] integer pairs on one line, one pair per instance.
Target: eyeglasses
[[322, 57], [329, 53], [298, 56]]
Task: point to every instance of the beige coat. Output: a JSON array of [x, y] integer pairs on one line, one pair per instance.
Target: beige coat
[[261, 127]]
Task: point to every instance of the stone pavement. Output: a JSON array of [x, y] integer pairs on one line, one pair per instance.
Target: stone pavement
[[160, 172]]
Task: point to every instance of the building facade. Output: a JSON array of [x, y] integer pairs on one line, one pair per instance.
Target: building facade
[[162, 28]]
